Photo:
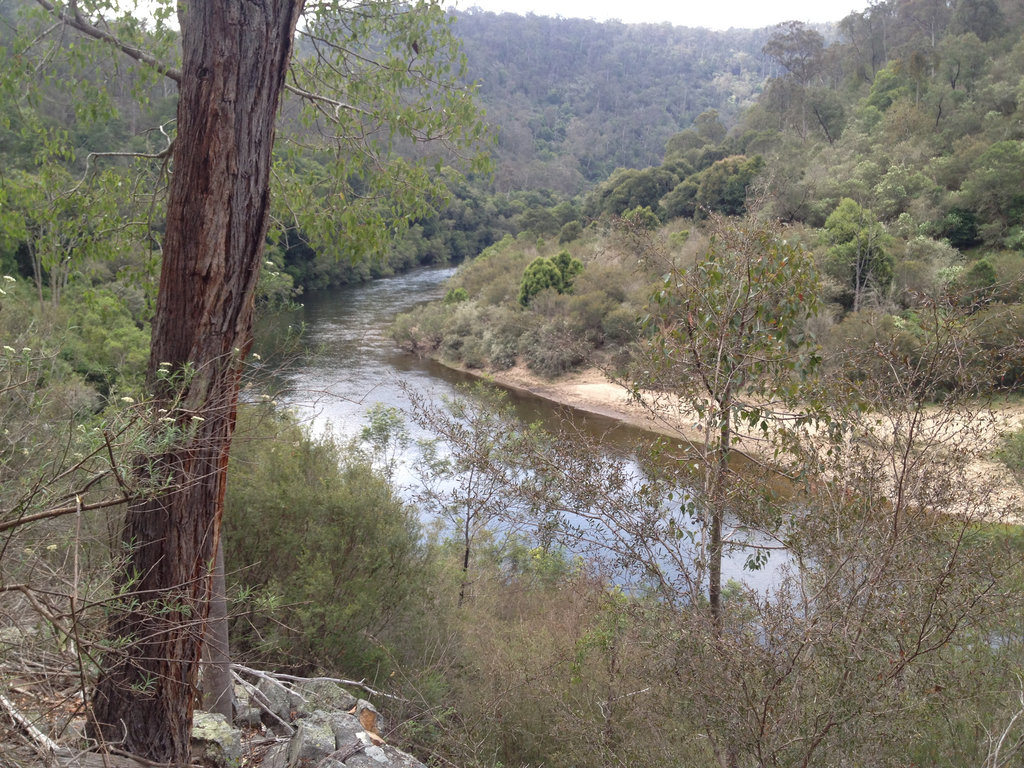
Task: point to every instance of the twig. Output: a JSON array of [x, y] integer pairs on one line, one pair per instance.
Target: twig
[[341, 755], [45, 742], [77, 21], [277, 676], [60, 512], [260, 700]]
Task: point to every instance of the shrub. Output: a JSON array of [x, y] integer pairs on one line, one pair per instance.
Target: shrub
[[569, 232], [420, 331], [502, 338], [1011, 452], [456, 296], [620, 326], [551, 349], [323, 551], [540, 275]]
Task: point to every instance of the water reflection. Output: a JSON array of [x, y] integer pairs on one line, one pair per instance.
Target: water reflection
[[346, 364]]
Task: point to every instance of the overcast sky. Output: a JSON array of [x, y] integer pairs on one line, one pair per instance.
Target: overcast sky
[[713, 14]]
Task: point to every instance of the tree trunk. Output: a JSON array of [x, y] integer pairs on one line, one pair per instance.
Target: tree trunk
[[218, 691], [235, 56], [718, 503]]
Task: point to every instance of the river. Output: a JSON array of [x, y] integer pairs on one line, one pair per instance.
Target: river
[[345, 364]]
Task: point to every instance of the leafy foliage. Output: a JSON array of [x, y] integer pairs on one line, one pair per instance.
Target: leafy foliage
[[312, 530], [856, 254], [556, 274]]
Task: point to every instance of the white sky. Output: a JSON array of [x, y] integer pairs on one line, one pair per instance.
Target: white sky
[[712, 14]]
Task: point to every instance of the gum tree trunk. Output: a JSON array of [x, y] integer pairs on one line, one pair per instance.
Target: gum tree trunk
[[235, 55]]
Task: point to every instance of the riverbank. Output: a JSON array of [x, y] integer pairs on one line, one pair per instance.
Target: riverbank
[[591, 391]]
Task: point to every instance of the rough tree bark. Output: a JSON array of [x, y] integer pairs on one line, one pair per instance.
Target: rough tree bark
[[235, 56]]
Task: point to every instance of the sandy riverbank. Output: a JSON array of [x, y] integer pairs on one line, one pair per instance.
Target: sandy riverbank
[[591, 391]]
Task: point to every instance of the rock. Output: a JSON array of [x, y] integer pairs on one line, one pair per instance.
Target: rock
[[215, 743], [325, 695], [313, 741], [371, 720], [249, 717], [382, 757], [346, 729], [276, 757], [274, 696], [330, 728]]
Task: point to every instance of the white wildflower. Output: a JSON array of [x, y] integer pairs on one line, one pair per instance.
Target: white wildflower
[[129, 400], [9, 279]]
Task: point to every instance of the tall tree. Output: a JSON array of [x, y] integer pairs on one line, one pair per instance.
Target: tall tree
[[725, 344], [857, 254], [235, 60]]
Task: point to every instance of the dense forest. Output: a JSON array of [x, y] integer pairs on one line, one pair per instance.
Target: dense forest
[[893, 153], [572, 100], [797, 251], [568, 102]]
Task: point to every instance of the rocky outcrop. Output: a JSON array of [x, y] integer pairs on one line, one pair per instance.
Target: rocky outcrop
[[215, 741], [297, 723]]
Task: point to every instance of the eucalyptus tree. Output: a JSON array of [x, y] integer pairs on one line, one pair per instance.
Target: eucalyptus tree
[[365, 77], [725, 346], [857, 255], [470, 469]]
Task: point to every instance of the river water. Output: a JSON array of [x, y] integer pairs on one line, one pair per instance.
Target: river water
[[345, 364]]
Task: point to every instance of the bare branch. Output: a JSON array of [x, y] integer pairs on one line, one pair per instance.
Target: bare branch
[[60, 512], [44, 742], [73, 18]]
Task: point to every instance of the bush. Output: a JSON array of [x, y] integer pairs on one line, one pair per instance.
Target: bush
[[318, 546], [540, 275], [586, 315], [105, 345], [999, 331], [569, 232], [551, 349], [621, 326], [502, 338]]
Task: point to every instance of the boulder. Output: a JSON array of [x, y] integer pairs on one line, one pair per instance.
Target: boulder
[[371, 720], [276, 756], [346, 729], [313, 741], [215, 742], [279, 699], [382, 757], [324, 695]]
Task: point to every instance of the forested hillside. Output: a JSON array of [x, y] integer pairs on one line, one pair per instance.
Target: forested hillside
[[571, 100], [894, 153], [568, 101]]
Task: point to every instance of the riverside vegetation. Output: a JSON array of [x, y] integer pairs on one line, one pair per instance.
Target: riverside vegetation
[[827, 283]]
